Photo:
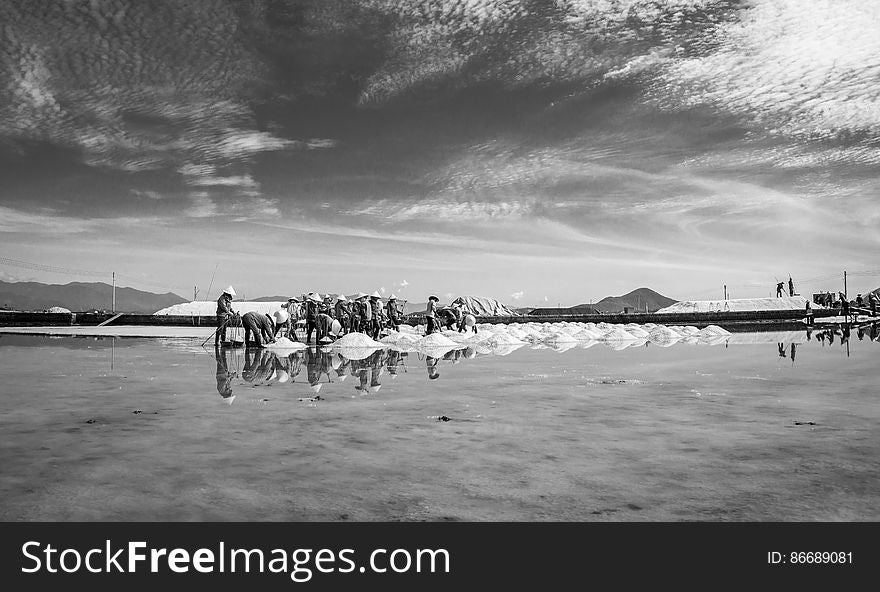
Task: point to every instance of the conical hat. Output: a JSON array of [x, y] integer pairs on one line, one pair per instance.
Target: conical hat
[[230, 291], [375, 295]]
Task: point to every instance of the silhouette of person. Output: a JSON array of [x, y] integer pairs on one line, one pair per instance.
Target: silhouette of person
[[779, 289], [793, 346], [790, 286]]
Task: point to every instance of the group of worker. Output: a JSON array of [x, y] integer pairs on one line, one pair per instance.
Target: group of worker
[[330, 316]]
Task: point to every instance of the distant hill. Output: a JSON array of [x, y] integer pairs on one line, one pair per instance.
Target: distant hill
[[82, 296], [270, 298], [635, 301]]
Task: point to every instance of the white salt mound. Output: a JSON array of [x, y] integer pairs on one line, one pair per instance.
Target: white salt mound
[[435, 340], [285, 343], [662, 333], [356, 340], [503, 339], [618, 334]]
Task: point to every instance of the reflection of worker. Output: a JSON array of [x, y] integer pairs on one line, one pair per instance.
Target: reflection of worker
[[431, 364], [781, 348], [224, 376], [259, 365], [224, 314], [793, 350]]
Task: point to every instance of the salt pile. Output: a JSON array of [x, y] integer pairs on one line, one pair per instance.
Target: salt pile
[[356, 340], [436, 340], [285, 343], [618, 334], [503, 339], [661, 335]]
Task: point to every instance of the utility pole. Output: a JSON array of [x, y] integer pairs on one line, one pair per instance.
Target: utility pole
[[195, 293], [725, 291], [114, 292], [844, 282]]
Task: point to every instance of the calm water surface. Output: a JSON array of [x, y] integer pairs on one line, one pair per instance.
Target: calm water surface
[[151, 429]]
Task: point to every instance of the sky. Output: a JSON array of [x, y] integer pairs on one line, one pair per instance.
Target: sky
[[538, 152]]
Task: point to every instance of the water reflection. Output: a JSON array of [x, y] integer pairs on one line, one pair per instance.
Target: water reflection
[[368, 368]]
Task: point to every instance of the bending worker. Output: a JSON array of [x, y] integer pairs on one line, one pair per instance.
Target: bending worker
[[262, 326], [224, 314]]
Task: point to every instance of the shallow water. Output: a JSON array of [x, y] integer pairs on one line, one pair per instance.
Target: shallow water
[[163, 429]]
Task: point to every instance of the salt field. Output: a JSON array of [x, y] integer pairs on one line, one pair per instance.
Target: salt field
[[532, 422]]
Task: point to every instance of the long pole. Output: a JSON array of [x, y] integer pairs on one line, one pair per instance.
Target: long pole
[[844, 282], [114, 291]]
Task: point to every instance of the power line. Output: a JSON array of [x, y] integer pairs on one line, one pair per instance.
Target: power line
[[8, 261]]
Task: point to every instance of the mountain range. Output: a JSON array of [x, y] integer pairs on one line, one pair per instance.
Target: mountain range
[[639, 300], [82, 296]]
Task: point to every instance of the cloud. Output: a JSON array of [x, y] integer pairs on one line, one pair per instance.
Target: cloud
[[517, 295]]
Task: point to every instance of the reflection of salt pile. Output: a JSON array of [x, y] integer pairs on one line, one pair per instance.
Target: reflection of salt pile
[[713, 331], [636, 331], [285, 343], [355, 353], [356, 340]]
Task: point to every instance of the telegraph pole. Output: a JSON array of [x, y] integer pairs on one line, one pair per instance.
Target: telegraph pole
[[114, 292], [844, 282]]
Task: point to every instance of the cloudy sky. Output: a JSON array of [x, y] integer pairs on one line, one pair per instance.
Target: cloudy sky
[[525, 150]]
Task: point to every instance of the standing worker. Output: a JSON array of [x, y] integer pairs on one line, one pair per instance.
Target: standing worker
[[224, 314], [393, 313], [872, 302], [790, 286], [341, 313], [376, 310], [366, 314], [430, 314], [312, 303]]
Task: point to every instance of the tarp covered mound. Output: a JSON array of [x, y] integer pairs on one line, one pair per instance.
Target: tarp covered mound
[[208, 308], [479, 306], [58, 309], [739, 304]]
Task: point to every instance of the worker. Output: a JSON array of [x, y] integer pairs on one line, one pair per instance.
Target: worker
[[872, 302], [294, 310], [431, 314], [844, 305], [313, 301], [790, 286], [446, 317], [224, 314], [366, 314], [859, 301], [340, 310], [779, 288], [262, 326], [376, 311], [323, 322], [393, 313]]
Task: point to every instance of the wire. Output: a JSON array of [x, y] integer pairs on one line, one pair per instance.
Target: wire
[[8, 261]]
